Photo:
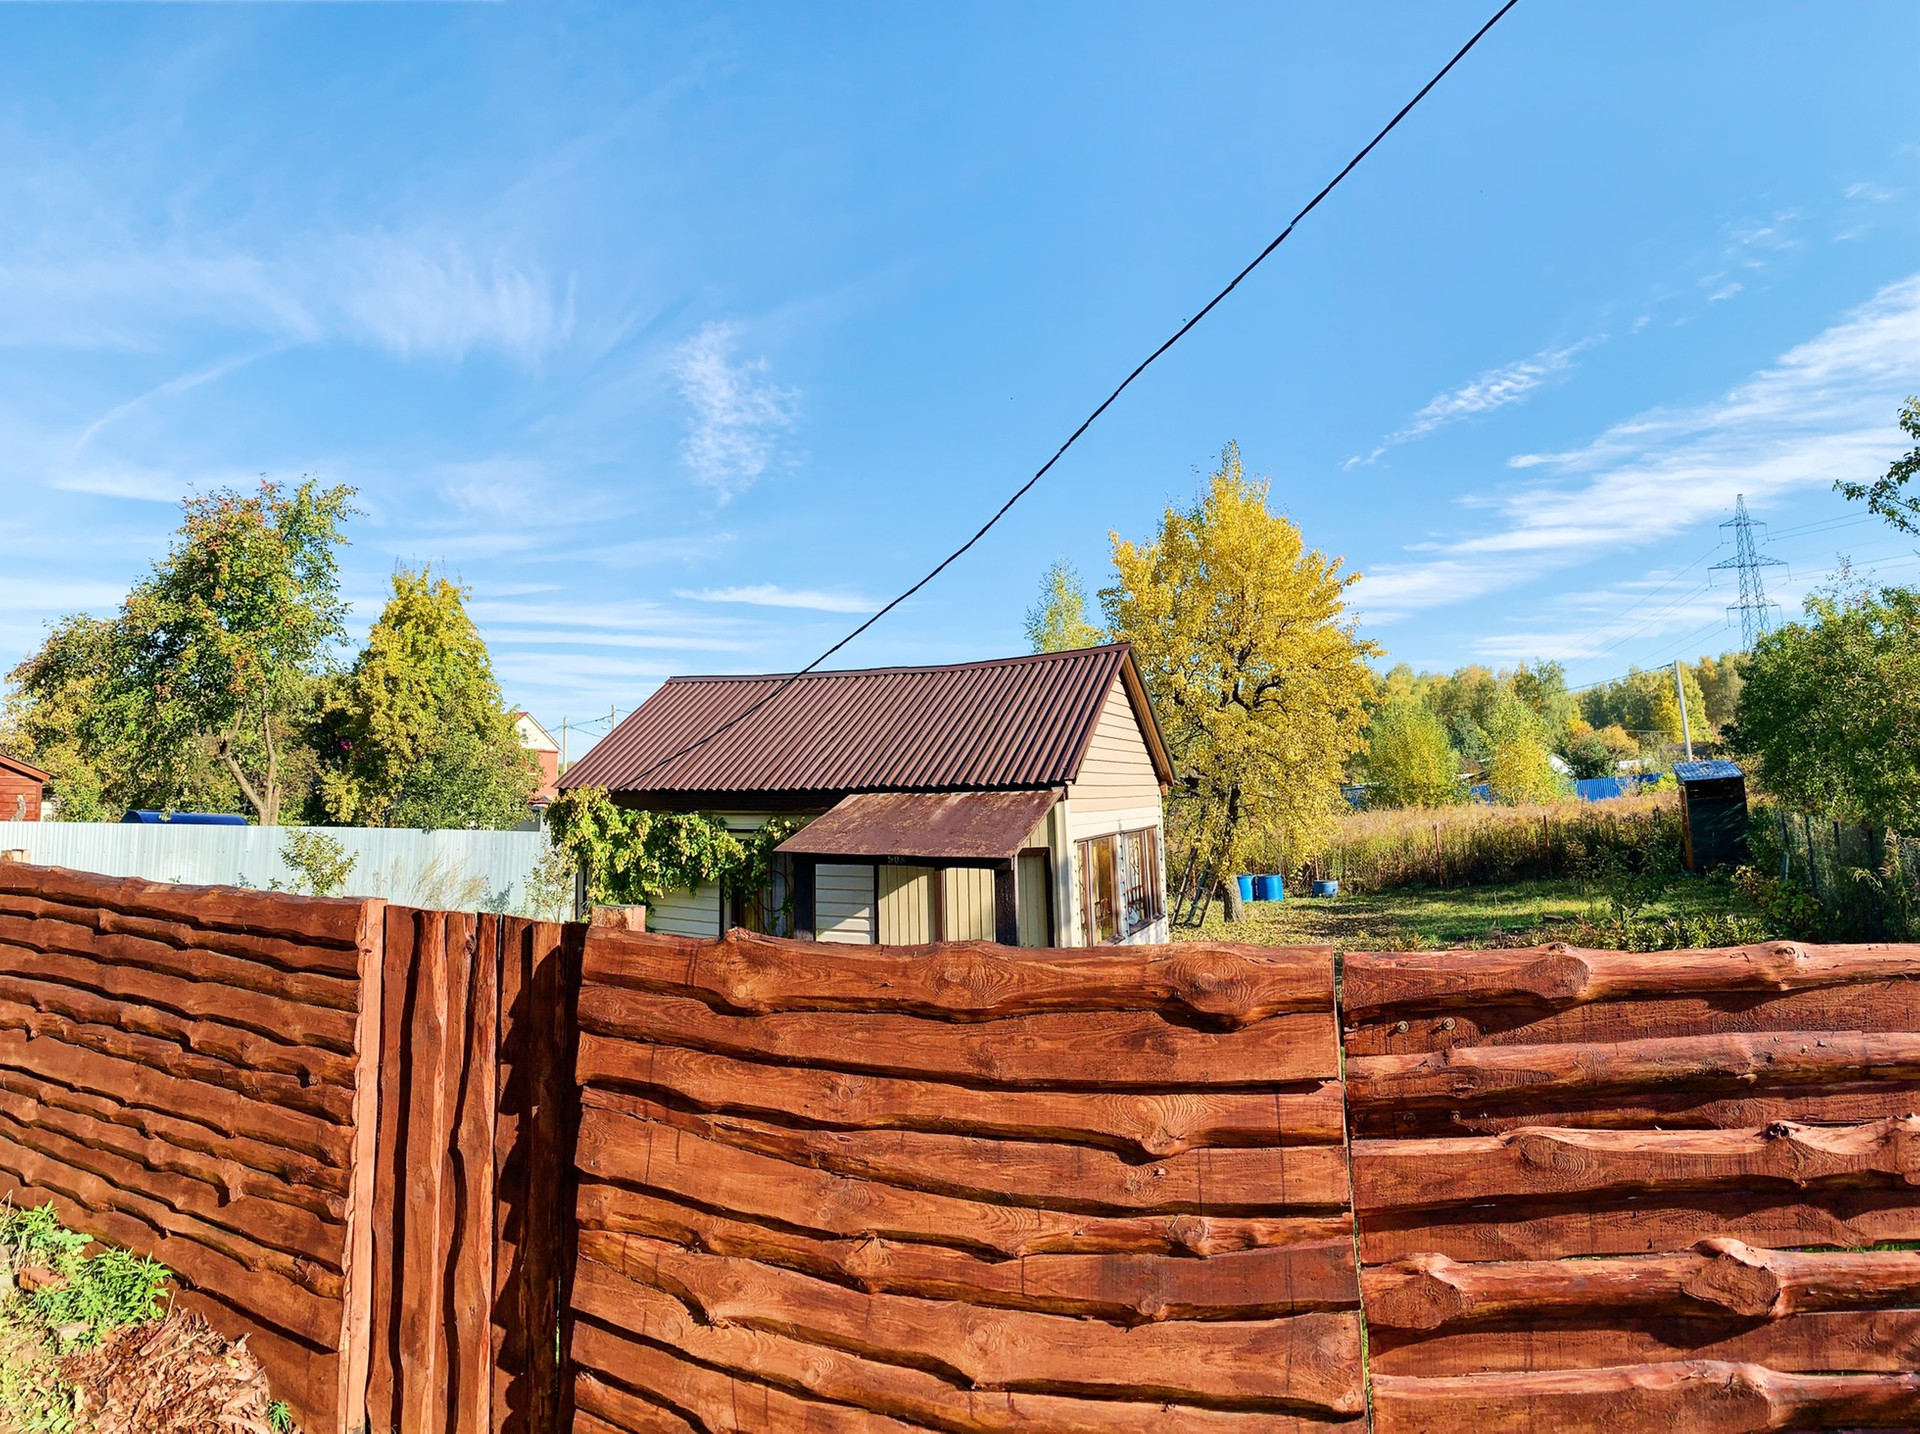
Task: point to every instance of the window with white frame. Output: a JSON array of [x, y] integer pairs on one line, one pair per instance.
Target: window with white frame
[[1120, 880]]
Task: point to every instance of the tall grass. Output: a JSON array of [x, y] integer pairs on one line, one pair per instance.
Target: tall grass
[[1479, 845]]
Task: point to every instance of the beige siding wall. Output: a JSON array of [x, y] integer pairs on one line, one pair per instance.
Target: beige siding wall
[[686, 913], [906, 905], [843, 903], [1117, 773], [968, 896]]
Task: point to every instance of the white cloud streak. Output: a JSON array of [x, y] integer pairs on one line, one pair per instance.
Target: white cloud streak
[[1824, 410], [414, 296], [768, 595], [1494, 389], [737, 416]]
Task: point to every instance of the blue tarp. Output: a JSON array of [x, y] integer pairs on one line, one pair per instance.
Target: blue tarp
[[186, 819]]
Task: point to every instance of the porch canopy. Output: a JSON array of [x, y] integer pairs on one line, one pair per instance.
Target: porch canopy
[[924, 826]]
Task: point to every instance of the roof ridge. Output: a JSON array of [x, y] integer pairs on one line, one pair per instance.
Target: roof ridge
[[984, 662]]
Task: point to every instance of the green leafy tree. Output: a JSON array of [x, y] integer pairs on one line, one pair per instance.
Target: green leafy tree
[[1057, 622], [1831, 709], [1518, 766], [416, 734], [1587, 752], [1256, 674], [1543, 688], [1886, 495], [194, 693], [226, 637], [1410, 762]]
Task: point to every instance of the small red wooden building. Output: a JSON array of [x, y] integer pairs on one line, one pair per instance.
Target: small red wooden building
[[21, 789]]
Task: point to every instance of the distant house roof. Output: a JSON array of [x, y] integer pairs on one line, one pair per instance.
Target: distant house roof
[[1713, 770], [1019, 722], [533, 736], [23, 769]]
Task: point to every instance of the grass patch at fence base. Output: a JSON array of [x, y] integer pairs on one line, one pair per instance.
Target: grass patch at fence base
[[87, 1344], [1521, 913]]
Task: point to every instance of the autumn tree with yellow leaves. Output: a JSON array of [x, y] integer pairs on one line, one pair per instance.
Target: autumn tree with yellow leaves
[[1256, 674]]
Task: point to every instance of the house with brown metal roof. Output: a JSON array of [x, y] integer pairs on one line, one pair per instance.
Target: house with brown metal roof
[[1016, 800]]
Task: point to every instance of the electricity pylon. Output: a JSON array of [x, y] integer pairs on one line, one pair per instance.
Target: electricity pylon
[[1756, 613]]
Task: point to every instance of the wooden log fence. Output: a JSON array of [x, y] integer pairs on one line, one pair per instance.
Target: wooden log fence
[[1621, 1192], [960, 1188], [470, 1174], [190, 1072]]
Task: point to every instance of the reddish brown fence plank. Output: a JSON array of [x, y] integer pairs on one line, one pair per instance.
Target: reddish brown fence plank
[[963, 1188], [191, 1072], [1696, 1120]]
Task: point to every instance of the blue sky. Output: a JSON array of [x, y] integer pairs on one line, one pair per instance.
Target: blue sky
[[682, 335]]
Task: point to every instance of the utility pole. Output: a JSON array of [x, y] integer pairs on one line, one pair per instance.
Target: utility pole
[[1686, 732], [1756, 613], [563, 744]]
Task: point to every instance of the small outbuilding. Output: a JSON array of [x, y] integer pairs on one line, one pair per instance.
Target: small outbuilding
[[1713, 813], [1016, 800], [23, 790]]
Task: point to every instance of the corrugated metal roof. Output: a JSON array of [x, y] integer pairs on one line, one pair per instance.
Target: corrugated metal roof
[[22, 769], [1712, 770], [947, 826], [1015, 722]]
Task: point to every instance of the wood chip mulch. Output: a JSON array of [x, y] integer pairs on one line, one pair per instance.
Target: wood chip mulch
[[173, 1376]]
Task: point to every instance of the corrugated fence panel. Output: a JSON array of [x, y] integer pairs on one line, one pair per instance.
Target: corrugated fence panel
[[1615, 1192], [189, 1073], [472, 869], [960, 1188]]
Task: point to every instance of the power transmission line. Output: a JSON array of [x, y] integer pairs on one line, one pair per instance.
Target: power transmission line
[[1106, 403], [1756, 613]]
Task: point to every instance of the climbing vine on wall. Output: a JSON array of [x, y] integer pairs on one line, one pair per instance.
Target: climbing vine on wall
[[637, 856]]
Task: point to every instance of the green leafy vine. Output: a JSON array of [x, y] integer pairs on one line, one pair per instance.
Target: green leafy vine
[[631, 856]]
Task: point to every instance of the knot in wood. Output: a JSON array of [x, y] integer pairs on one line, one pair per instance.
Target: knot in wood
[[1735, 1277], [1192, 1233], [1418, 1293], [1559, 974], [1540, 1151]]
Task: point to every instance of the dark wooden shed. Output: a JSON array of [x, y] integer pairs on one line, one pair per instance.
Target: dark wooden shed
[[22, 788], [1713, 813]]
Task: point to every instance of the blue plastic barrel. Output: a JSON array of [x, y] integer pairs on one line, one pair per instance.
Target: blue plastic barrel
[[1326, 888], [1269, 888], [1246, 887]]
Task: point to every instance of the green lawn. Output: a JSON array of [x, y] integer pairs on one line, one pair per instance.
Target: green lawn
[[1414, 918]]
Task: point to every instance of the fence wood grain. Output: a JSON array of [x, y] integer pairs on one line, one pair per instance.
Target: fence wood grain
[[960, 1188], [190, 1072], [1686, 1124]]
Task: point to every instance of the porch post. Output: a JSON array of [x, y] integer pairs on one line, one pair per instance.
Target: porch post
[[1006, 916]]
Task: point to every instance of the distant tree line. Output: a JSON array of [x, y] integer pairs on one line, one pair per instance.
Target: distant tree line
[[219, 686]]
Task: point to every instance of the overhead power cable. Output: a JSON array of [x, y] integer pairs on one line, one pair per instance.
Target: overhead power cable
[[1105, 404]]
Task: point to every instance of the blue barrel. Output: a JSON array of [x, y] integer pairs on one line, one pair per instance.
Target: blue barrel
[[1326, 888], [1246, 887], [1269, 888]]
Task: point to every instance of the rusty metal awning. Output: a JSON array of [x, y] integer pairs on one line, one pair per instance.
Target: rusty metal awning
[[936, 826]]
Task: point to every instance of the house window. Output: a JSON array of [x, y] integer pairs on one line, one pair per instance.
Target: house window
[[1120, 876]]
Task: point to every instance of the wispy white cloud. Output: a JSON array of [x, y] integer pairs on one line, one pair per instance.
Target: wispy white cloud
[[1494, 389], [1824, 410], [412, 297], [737, 414], [768, 595]]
